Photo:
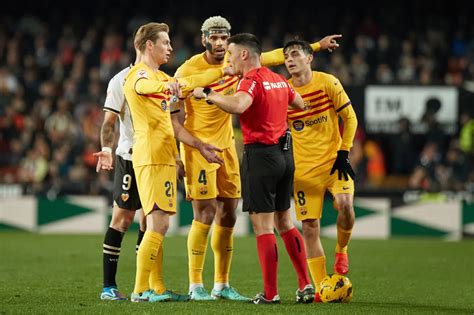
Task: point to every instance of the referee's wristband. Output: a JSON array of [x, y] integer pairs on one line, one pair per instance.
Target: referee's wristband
[[107, 149]]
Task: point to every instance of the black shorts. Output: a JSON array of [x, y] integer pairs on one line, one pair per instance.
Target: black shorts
[[267, 178], [125, 185]]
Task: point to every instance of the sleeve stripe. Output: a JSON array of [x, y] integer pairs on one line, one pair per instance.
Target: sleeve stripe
[[111, 110], [175, 111], [161, 97], [311, 94], [310, 113], [220, 81], [343, 106], [221, 88]]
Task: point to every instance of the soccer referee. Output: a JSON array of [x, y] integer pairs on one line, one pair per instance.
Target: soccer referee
[[262, 98]]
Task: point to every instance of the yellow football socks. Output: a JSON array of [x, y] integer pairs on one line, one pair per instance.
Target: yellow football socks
[[156, 274], [197, 245], [317, 268], [222, 243], [343, 237], [146, 258]]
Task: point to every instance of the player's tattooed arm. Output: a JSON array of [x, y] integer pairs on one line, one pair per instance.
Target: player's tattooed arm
[[107, 137], [107, 132]]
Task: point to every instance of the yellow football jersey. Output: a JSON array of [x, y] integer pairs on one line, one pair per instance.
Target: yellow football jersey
[[315, 131], [154, 141], [208, 122]]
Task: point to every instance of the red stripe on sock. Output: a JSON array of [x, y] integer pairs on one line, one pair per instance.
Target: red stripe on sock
[[268, 256], [295, 248]]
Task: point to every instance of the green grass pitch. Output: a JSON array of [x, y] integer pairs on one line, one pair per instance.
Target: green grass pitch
[[62, 274]]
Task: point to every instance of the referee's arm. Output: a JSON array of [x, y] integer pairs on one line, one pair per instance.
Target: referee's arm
[[233, 104], [297, 102]]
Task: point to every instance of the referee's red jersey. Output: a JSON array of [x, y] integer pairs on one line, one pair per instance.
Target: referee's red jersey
[[265, 121]]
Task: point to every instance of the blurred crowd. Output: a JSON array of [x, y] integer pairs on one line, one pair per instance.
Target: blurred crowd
[[55, 64], [431, 162]]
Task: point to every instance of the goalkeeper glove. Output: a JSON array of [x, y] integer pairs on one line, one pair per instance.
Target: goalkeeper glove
[[343, 166]]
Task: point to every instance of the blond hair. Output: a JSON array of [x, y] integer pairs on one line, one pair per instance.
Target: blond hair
[[215, 22], [148, 31]]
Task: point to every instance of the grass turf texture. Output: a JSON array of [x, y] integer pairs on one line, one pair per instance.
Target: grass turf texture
[[63, 274]]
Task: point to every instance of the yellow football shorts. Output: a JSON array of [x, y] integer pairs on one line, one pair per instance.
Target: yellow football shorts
[[206, 180], [157, 187], [309, 190]]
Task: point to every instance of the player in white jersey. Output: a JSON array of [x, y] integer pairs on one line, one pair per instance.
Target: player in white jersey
[[125, 194]]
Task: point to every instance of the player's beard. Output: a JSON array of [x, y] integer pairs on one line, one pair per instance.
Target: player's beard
[[218, 57]]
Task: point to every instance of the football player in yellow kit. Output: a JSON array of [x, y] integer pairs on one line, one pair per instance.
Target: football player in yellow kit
[[150, 93], [321, 155]]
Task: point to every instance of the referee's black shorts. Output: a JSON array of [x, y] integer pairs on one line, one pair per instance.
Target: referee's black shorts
[[267, 178]]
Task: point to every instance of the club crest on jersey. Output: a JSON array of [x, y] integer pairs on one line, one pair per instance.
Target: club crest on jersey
[[203, 190], [142, 74], [124, 197], [298, 125], [170, 203]]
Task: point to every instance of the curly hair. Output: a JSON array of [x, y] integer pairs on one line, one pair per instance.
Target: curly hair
[[215, 22]]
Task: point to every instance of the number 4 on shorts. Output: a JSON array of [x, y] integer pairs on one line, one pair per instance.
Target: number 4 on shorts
[[202, 177]]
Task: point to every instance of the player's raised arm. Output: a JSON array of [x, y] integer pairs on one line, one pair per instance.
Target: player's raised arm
[[189, 83], [275, 57], [329, 42], [146, 86]]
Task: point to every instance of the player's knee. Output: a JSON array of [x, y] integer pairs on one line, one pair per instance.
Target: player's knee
[[226, 215], [283, 225], [143, 223], [164, 228], [344, 206], [311, 229], [158, 227], [260, 228], [122, 223], [205, 215]]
